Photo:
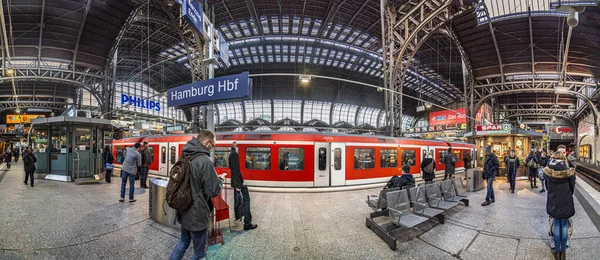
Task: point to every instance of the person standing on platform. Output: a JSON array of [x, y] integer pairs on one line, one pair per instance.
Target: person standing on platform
[[109, 158], [132, 161], [543, 163], [450, 161], [467, 159], [512, 164], [16, 154], [428, 168], [8, 158], [490, 168], [147, 159], [29, 165], [532, 165], [241, 195], [560, 181], [204, 185]]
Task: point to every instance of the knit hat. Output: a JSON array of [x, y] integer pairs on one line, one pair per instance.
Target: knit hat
[[488, 148]]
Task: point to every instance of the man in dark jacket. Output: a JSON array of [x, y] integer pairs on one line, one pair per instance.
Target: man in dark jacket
[[468, 160], [450, 161], [560, 180], [406, 179], [205, 184], [428, 168], [241, 197], [512, 164], [490, 167], [29, 161], [532, 164], [147, 159]]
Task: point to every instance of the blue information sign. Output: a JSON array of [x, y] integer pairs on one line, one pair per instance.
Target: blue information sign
[[192, 12], [226, 88]]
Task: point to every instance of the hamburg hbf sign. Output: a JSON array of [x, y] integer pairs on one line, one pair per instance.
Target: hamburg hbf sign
[[226, 88]]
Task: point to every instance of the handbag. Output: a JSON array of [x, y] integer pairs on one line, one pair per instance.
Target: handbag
[[109, 166]]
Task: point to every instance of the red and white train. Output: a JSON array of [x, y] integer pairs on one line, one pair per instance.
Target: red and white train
[[305, 159]]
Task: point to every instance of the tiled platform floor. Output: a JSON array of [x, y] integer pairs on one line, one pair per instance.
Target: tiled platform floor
[[56, 220]]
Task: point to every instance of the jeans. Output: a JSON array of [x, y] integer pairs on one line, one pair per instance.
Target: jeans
[[28, 175], [543, 184], [143, 176], [490, 190], [247, 213], [532, 176], [512, 179], [199, 238], [561, 234], [124, 176]]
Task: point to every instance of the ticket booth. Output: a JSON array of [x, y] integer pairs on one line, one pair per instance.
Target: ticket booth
[[69, 148]]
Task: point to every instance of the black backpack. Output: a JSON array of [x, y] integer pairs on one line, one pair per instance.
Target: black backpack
[[179, 193], [394, 182]]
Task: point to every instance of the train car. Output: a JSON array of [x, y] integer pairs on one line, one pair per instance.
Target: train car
[[277, 159]]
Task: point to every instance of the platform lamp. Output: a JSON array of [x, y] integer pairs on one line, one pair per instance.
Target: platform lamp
[[305, 79]]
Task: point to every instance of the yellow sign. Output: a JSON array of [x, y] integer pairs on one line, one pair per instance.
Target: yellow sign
[[17, 119]]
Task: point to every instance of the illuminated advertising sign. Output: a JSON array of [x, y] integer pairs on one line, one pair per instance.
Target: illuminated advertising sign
[[18, 119], [494, 129], [561, 132], [447, 117], [139, 102]]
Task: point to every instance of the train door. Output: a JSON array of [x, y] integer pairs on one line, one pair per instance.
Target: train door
[[322, 162], [163, 162], [425, 150], [338, 166], [173, 155]]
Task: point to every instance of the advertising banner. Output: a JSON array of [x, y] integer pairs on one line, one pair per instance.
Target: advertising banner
[[226, 88], [447, 117], [18, 119], [561, 132], [494, 129]]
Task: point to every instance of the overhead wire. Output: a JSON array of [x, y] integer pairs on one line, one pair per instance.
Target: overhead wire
[[6, 44]]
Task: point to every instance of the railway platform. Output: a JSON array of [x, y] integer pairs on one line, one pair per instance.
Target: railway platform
[[58, 220]]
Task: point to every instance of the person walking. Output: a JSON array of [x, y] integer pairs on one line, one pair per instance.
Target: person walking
[[204, 184], [532, 165], [468, 160], [490, 168], [428, 168], [110, 159], [132, 161], [560, 181], [543, 163], [8, 158], [512, 164], [450, 161], [147, 159], [29, 161], [241, 195], [16, 154]]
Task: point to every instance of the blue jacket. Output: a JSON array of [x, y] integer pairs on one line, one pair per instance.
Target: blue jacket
[[491, 165]]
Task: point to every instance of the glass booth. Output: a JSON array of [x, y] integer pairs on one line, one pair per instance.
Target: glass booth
[[69, 148]]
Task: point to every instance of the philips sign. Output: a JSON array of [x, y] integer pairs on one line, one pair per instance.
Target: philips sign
[[138, 102], [232, 87]]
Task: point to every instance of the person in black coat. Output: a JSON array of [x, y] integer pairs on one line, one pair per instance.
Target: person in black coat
[[237, 183], [532, 174], [560, 181], [428, 176], [109, 158], [490, 168], [512, 165], [543, 163], [29, 161], [8, 158]]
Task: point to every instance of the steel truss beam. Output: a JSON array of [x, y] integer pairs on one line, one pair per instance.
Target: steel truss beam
[[48, 102], [405, 28]]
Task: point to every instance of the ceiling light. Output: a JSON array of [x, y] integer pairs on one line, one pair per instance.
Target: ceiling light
[[304, 78], [561, 90], [9, 72], [428, 105], [18, 110]]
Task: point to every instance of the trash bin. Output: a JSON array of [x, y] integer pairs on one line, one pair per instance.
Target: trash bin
[[475, 179], [159, 209]]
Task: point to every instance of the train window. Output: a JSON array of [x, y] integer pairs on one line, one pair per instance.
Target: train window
[[442, 155], [291, 159], [173, 155], [364, 158], [337, 160], [121, 153], [409, 157], [389, 158], [258, 158], [163, 155], [458, 155], [322, 159], [222, 156]]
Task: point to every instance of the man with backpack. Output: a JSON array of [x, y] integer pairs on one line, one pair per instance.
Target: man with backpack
[[450, 161], [241, 197], [147, 159], [533, 164], [192, 184], [512, 165], [428, 168]]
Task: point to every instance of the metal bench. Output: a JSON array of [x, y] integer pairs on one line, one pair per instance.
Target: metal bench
[[420, 206], [457, 190], [379, 202], [399, 210], [434, 197]]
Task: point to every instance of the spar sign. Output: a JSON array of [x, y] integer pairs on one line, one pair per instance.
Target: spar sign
[[494, 129]]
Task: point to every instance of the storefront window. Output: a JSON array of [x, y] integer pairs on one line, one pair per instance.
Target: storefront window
[[222, 157], [389, 158], [258, 158], [291, 158], [364, 158]]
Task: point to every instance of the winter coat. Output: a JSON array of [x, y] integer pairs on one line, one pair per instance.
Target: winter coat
[[237, 180], [428, 175], [544, 161], [467, 161], [108, 156], [529, 158], [204, 183], [132, 161], [560, 183], [512, 164], [491, 165], [29, 162], [406, 179], [448, 158], [147, 157]]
